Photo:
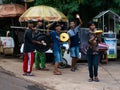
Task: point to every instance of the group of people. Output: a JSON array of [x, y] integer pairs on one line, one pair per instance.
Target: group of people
[[74, 45]]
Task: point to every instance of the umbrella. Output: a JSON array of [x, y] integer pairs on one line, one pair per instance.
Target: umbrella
[[11, 10], [43, 13]]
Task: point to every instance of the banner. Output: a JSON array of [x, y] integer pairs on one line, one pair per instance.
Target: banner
[[112, 48]]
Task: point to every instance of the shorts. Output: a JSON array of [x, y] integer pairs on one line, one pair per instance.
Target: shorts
[[74, 52], [57, 56]]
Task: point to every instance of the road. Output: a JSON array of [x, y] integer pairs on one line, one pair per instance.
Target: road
[[8, 81]]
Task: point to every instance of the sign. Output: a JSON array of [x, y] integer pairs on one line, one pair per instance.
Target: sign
[[112, 46], [7, 42]]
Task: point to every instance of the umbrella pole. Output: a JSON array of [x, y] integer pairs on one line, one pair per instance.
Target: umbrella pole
[[44, 25]]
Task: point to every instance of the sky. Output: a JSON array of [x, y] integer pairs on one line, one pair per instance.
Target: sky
[[0, 1]]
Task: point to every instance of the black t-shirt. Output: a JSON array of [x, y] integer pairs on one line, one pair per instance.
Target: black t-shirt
[[28, 45]]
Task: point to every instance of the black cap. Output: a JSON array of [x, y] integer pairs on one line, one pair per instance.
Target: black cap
[[57, 24], [30, 22], [90, 23]]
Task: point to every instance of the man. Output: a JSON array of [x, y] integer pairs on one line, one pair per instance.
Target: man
[[29, 49], [74, 42], [55, 35], [92, 53], [40, 56]]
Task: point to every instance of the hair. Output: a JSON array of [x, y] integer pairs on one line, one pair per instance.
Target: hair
[[72, 21], [90, 23]]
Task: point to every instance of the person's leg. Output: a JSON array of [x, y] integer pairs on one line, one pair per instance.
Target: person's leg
[[30, 61], [37, 60], [42, 60], [72, 54], [25, 63], [90, 65], [57, 57], [95, 63], [77, 56]]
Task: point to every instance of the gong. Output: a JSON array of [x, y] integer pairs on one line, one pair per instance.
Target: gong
[[44, 40]]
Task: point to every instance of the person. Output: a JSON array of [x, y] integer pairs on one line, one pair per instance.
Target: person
[[102, 50], [29, 49], [8, 34], [55, 35], [74, 42], [92, 53], [40, 56]]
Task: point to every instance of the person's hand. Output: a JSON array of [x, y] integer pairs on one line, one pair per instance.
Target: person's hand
[[43, 43], [39, 42], [78, 16]]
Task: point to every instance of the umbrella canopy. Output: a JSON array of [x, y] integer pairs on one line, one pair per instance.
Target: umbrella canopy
[[11, 10], [43, 13]]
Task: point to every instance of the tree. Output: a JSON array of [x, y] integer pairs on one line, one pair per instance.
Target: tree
[[7, 1], [68, 7]]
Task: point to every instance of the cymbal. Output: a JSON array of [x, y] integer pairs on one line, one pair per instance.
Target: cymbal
[[98, 32], [64, 37]]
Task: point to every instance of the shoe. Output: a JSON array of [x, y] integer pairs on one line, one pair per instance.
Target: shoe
[[96, 79], [30, 74], [90, 80], [25, 74], [73, 69]]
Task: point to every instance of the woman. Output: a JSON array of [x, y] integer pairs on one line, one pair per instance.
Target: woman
[[92, 54]]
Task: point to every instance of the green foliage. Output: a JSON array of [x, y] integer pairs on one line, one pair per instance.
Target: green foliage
[[68, 7], [7, 1]]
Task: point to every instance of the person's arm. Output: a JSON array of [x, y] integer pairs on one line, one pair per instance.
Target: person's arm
[[48, 32], [36, 42], [30, 38], [92, 38], [80, 21]]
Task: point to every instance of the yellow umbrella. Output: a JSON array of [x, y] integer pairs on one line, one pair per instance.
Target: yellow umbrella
[[43, 13]]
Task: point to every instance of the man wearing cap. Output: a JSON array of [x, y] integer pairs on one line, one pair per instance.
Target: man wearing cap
[[39, 55], [55, 35], [74, 42], [29, 49]]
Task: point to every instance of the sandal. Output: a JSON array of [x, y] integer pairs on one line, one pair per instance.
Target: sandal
[[57, 73], [96, 79], [25, 74], [90, 80]]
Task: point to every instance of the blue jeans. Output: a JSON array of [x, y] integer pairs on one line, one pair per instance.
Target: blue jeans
[[57, 56], [74, 52], [93, 65]]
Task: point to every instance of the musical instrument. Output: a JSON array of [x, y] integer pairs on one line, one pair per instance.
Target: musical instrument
[[64, 37], [44, 40], [98, 32]]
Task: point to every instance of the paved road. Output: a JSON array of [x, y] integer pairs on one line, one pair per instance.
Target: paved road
[[8, 81]]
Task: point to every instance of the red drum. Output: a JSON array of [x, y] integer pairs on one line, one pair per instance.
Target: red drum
[[102, 46]]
